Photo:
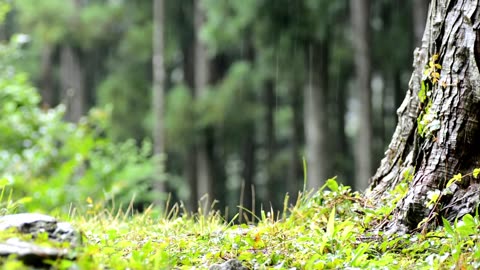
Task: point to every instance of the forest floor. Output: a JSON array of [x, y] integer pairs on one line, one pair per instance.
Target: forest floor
[[330, 229]]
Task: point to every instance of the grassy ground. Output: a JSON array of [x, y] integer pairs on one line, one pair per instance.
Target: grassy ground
[[327, 230]]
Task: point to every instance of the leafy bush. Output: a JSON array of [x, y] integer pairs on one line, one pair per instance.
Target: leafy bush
[[56, 163]]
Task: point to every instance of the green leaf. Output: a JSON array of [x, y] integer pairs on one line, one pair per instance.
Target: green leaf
[[360, 251], [4, 182], [476, 172], [447, 226], [331, 224], [455, 178], [469, 221], [422, 94], [332, 184]]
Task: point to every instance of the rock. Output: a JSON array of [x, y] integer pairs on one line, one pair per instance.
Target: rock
[[31, 253], [34, 224], [231, 264]]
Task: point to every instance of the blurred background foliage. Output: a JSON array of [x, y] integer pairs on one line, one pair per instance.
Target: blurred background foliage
[[76, 89]]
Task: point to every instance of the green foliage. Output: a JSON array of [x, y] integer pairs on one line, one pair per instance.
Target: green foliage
[[180, 105], [226, 21], [428, 122], [325, 230], [4, 9], [220, 105], [58, 163], [44, 20]]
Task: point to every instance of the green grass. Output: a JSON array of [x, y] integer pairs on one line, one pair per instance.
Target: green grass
[[327, 230]]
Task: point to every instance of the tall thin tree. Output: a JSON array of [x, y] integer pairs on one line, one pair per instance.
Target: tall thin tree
[[158, 95], [315, 116], [72, 75], [360, 14], [201, 78]]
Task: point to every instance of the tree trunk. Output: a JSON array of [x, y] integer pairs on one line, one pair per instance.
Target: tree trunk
[[46, 77], [189, 157], [295, 170], [72, 76], [201, 77], [270, 138], [158, 95], [342, 148], [248, 173], [72, 82], [316, 114], [360, 12], [436, 153]]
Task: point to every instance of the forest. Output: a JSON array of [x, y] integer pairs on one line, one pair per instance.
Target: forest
[[254, 134], [242, 95]]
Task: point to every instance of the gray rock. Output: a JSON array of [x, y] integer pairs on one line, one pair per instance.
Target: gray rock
[[231, 264], [35, 224], [29, 253]]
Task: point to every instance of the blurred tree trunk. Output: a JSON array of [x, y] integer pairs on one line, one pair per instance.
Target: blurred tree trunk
[[46, 77], [72, 76], [419, 11], [188, 51], [248, 173], [360, 14], [431, 157], [158, 95], [295, 168], [316, 114], [270, 137], [342, 150], [201, 79], [72, 83]]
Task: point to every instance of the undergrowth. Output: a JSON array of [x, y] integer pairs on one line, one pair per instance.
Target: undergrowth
[[329, 229]]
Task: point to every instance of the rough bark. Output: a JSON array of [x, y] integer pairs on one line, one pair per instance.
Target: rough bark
[[201, 78], [158, 95], [453, 33], [315, 116], [360, 13]]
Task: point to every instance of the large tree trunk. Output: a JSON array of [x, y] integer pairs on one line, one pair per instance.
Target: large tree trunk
[[452, 147], [360, 12], [201, 78], [316, 114], [158, 95]]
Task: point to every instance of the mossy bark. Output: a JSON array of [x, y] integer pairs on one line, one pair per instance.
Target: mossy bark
[[452, 32]]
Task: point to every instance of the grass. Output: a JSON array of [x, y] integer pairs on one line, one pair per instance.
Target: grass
[[332, 229]]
